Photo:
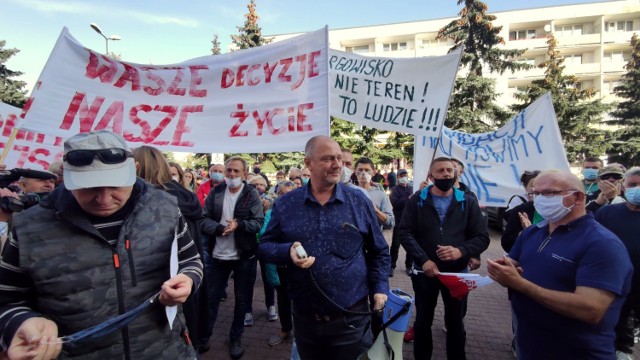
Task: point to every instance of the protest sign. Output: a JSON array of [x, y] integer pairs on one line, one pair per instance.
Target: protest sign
[[495, 160], [267, 99], [30, 150], [396, 94]]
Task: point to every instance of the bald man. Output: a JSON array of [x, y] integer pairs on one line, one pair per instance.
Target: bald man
[[568, 274]]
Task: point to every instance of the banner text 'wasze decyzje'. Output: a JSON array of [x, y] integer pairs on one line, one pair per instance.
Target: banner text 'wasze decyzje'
[[494, 161], [408, 95], [267, 99]]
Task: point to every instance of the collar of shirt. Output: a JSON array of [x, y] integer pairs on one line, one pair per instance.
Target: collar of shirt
[[336, 195]]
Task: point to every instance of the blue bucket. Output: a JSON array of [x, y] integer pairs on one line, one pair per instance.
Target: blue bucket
[[396, 301]]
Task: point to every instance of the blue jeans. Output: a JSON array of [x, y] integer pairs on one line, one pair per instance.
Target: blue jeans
[[244, 273], [427, 290]]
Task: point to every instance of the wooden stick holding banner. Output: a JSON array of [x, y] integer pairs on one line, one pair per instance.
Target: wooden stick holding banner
[[420, 165], [8, 145]]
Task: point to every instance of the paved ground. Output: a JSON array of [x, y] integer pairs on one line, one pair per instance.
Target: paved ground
[[488, 321]]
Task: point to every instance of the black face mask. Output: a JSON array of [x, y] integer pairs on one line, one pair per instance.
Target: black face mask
[[444, 185], [256, 170]]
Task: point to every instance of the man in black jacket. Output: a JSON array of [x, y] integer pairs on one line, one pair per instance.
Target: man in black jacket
[[232, 216], [441, 228]]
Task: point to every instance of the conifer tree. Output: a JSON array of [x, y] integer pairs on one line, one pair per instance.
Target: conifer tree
[[250, 35], [473, 105], [215, 45], [12, 91], [626, 116], [577, 115]]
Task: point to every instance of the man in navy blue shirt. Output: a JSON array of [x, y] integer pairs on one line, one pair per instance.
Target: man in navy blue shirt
[[348, 258], [568, 274]]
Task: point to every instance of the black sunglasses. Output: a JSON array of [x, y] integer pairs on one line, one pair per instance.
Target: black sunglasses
[[106, 156], [610, 176]]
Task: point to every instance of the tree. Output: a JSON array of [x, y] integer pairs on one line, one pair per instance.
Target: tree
[[577, 116], [12, 92], [250, 35], [473, 105], [215, 45], [626, 139]]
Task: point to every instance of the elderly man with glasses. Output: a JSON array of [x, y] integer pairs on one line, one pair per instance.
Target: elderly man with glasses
[[568, 277], [98, 247]]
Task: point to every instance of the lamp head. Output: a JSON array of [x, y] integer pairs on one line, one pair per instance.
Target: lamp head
[[96, 28]]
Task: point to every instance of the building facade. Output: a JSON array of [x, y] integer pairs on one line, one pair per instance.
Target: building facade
[[594, 39]]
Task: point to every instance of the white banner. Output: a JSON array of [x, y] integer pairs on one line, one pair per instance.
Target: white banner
[[30, 150], [495, 161], [397, 94], [267, 99]]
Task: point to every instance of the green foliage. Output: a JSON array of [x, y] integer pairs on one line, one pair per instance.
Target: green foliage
[[577, 115], [473, 105], [625, 140], [250, 35], [215, 45], [12, 91]]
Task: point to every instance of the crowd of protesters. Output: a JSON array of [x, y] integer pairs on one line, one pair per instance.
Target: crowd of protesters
[[128, 255]]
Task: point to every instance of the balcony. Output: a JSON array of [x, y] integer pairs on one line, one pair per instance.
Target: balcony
[[620, 37], [585, 39], [537, 42], [535, 72], [613, 67], [591, 68]]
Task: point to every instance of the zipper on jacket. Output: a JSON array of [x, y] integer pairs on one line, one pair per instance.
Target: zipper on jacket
[[132, 268], [121, 306]]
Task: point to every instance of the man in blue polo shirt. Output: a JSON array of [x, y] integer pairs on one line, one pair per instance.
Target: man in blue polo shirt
[[569, 277], [348, 258]]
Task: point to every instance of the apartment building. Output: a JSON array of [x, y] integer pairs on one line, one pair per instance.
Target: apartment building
[[593, 38]]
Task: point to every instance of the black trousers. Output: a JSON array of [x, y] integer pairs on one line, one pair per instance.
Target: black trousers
[[427, 290], [284, 301], [626, 323], [342, 338]]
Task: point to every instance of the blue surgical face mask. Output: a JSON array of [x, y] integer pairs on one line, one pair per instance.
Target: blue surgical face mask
[[590, 174], [216, 177], [305, 181], [633, 195]]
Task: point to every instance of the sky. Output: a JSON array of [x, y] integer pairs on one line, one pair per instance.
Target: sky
[[163, 32]]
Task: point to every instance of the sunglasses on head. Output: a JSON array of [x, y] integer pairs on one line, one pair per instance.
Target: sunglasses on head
[[610, 176], [106, 156]]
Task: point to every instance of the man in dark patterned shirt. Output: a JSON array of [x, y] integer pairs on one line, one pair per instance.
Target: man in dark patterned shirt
[[348, 257]]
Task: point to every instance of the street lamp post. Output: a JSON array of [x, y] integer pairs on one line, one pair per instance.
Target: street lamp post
[[96, 28]]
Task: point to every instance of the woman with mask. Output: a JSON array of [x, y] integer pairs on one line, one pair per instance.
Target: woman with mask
[[522, 216]]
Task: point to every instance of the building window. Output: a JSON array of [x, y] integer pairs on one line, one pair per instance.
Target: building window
[[434, 43], [618, 26], [359, 49], [394, 46], [573, 59], [569, 30], [608, 86], [616, 56], [522, 34]]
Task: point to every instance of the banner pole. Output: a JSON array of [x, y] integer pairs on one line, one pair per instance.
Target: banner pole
[[8, 144]]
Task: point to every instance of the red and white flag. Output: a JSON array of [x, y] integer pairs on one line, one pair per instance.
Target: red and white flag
[[459, 284]]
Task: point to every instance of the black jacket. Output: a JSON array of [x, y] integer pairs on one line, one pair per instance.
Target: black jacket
[[464, 227], [248, 212]]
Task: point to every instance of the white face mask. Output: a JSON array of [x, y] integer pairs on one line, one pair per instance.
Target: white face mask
[[175, 178], [363, 176], [403, 180], [551, 208], [233, 183], [345, 175]]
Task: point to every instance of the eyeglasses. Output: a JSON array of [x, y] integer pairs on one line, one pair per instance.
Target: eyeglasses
[[106, 156], [610, 176], [549, 193]]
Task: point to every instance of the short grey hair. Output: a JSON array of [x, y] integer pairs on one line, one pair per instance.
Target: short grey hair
[[237, 158], [310, 148], [634, 171]]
